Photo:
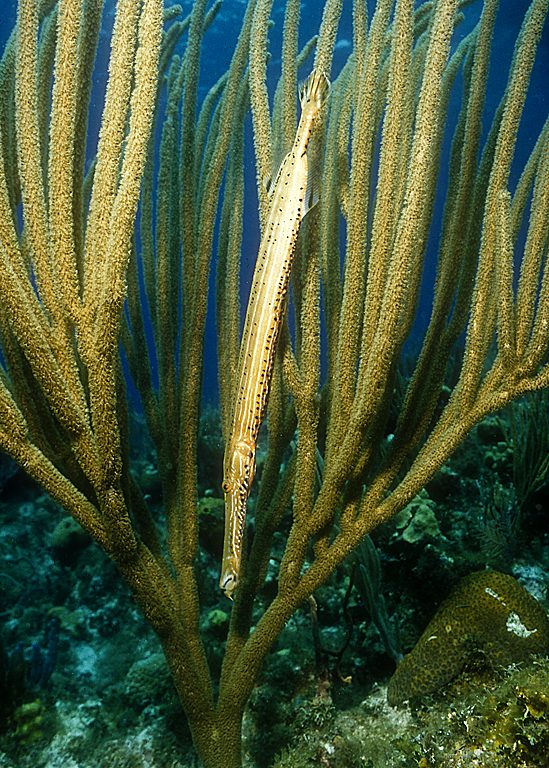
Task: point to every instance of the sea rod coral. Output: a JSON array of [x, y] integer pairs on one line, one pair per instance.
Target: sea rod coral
[[71, 299]]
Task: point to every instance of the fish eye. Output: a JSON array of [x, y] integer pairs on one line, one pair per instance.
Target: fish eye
[[226, 486]]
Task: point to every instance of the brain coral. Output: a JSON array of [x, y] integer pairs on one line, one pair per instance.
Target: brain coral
[[487, 611]]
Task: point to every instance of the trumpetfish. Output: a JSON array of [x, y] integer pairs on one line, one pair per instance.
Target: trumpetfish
[[292, 194]]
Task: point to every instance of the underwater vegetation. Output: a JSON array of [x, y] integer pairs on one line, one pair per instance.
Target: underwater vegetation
[[21, 681], [504, 724], [485, 722]]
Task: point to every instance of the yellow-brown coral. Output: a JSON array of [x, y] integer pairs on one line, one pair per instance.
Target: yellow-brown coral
[[486, 611]]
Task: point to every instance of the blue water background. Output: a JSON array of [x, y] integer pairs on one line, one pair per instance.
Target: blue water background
[[216, 55]]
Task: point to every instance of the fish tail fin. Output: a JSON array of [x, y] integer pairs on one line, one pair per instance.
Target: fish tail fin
[[314, 91]]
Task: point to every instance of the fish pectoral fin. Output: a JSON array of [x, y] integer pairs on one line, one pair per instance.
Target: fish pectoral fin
[[269, 180], [314, 176]]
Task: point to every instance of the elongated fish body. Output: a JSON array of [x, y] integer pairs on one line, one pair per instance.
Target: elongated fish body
[[290, 196]]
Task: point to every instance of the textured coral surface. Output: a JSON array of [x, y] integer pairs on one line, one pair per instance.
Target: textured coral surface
[[487, 611]]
